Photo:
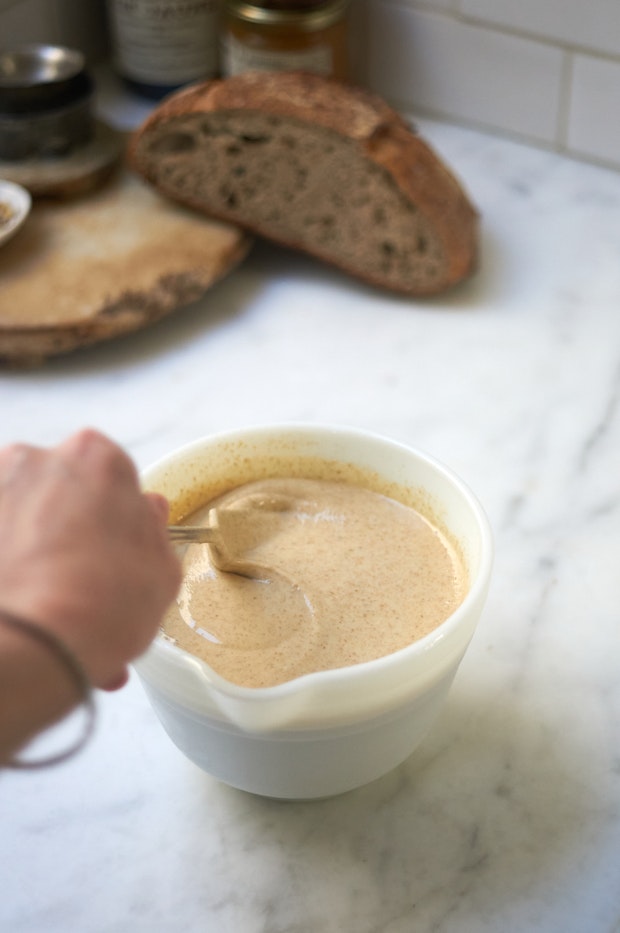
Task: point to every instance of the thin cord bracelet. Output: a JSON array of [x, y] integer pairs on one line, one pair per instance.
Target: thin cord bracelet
[[78, 676]]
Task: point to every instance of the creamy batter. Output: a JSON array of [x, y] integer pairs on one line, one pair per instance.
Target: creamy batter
[[338, 575]]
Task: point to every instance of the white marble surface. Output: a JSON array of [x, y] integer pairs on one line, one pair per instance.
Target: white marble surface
[[507, 818]]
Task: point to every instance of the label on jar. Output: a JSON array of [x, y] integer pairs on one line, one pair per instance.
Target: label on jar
[[238, 58], [166, 43]]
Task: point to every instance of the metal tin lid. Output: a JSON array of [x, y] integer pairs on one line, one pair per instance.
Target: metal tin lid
[[36, 78]]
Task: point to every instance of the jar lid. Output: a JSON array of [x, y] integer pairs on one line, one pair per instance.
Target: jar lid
[[291, 5], [309, 14]]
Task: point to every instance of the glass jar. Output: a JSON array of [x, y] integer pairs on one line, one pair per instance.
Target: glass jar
[[285, 35]]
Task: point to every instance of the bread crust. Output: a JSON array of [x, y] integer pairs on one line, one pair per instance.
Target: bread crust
[[378, 131]]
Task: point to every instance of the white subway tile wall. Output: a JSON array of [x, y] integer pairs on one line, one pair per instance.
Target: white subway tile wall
[[587, 24], [446, 66], [77, 23], [594, 115], [545, 71], [27, 21]]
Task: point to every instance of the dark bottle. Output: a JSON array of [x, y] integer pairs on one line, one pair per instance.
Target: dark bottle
[[161, 45]]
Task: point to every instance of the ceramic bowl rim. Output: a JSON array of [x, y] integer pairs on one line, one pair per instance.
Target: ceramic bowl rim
[[446, 630], [20, 200]]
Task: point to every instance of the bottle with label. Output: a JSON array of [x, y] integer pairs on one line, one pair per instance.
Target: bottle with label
[[285, 35], [161, 45]]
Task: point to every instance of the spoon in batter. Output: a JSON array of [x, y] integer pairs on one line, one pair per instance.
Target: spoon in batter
[[221, 555], [221, 530], [193, 534], [232, 528]]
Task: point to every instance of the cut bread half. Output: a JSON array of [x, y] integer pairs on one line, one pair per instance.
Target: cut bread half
[[318, 166]]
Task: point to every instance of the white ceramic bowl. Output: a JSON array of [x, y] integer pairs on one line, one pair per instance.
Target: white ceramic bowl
[[329, 731], [18, 202]]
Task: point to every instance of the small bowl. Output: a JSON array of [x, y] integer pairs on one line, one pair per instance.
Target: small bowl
[[329, 731], [16, 202]]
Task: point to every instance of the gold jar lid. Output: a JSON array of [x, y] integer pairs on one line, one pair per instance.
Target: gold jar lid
[[306, 15]]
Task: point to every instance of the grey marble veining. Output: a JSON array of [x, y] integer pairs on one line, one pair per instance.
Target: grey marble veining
[[507, 818]]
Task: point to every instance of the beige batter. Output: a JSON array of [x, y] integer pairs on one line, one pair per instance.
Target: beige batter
[[340, 575]]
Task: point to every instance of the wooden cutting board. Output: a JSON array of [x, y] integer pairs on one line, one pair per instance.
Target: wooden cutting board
[[104, 265]]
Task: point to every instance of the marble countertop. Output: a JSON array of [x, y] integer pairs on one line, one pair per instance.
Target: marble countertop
[[507, 817]]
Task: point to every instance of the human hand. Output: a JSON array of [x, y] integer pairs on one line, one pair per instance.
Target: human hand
[[85, 553]]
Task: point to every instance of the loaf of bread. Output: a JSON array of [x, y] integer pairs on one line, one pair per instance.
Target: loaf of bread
[[315, 165]]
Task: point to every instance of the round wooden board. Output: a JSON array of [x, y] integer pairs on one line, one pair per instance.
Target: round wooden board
[[103, 265]]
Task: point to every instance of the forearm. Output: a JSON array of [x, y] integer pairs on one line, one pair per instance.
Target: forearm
[[36, 689], [86, 556]]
